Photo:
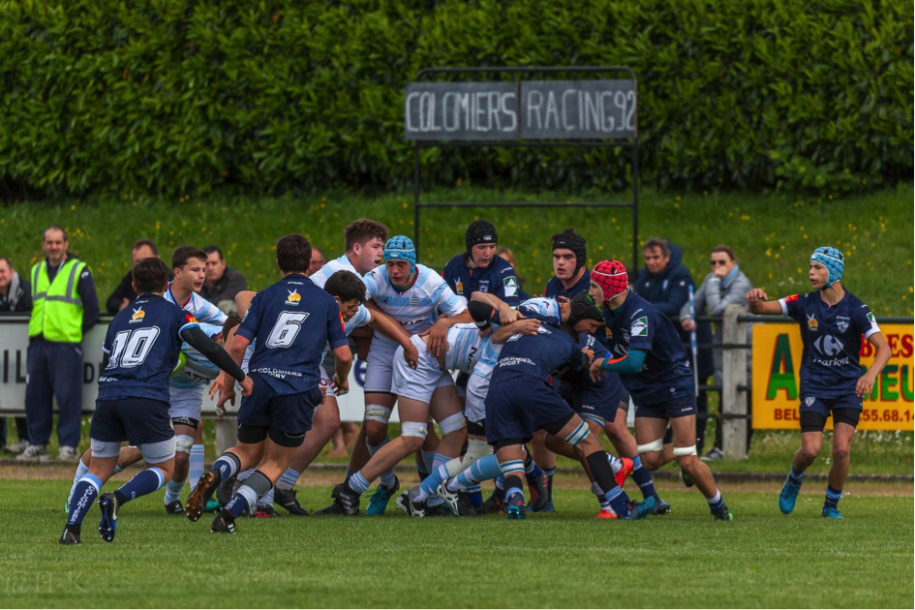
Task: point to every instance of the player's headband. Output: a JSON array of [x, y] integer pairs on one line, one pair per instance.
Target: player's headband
[[569, 240], [480, 232], [833, 260], [584, 308]]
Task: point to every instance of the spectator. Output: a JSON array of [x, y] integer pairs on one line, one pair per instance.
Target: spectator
[[317, 261], [222, 282], [15, 296], [665, 283], [124, 294], [725, 285], [65, 306]]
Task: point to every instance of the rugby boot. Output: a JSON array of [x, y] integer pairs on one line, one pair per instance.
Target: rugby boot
[[265, 512], [412, 509], [212, 506], [723, 515], [69, 536], [624, 471], [660, 507], [787, 498], [346, 502], [606, 513], [287, 499], [640, 510], [458, 502], [547, 507], [108, 524], [514, 506], [438, 510], [540, 491], [197, 501], [223, 524], [830, 512], [379, 501], [174, 508], [492, 504]]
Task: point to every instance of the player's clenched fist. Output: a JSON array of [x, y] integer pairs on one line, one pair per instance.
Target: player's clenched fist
[[755, 296]]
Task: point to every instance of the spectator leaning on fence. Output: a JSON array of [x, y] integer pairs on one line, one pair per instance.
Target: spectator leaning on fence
[[665, 282], [222, 282], [65, 306], [725, 285], [15, 296], [124, 294], [317, 261]]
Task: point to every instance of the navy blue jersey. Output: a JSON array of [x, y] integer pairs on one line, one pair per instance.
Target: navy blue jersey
[[551, 351], [666, 372], [498, 279], [832, 339], [291, 323], [142, 344], [554, 287]]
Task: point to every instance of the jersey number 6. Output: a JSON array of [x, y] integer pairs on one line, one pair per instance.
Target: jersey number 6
[[287, 327]]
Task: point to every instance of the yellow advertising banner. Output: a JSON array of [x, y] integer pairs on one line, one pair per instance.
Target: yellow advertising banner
[[777, 352]]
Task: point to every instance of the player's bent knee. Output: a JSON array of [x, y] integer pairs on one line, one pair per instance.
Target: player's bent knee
[[414, 430], [105, 449], [183, 444], [685, 451], [653, 446], [840, 455], [453, 423], [377, 413]]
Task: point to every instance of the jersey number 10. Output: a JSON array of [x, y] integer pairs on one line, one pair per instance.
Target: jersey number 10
[[131, 347]]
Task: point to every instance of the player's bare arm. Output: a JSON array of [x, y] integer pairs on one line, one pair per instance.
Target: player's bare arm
[[869, 379], [343, 358], [388, 327]]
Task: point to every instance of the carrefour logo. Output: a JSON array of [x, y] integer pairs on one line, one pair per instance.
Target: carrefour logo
[[829, 345]]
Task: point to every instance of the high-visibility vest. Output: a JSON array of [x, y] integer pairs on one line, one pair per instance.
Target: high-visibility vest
[[57, 310]]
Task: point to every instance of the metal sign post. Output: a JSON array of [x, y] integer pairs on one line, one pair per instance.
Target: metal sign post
[[524, 113]]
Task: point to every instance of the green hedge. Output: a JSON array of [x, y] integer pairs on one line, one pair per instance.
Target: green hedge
[[172, 95]]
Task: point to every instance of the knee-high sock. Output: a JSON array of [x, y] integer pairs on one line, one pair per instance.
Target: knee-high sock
[[482, 470], [642, 478], [288, 479], [84, 494], [81, 470], [387, 477], [173, 491], [148, 481], [195, 468], [430, 484]]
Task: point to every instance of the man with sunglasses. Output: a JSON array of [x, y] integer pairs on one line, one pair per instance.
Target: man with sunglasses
[[725, 285]]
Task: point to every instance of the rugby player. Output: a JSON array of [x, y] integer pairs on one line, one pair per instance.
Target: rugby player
[[478, 269], [521, 400], [833, 322], [420, 300], [142, 347], [291, 321], [651, 363]]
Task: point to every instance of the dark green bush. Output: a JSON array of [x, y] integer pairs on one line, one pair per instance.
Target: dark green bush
[[171, 95]]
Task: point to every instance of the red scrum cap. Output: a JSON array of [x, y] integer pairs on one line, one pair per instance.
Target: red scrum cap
[[612, 277]]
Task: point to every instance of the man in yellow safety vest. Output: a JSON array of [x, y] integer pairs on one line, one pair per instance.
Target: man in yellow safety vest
[[65, 307]]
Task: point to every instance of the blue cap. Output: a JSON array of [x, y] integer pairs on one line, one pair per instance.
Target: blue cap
[[833, 260], [400, 248]]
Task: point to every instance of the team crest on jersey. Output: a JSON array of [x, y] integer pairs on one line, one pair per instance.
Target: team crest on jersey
[[640, 327], [842, 323], [809, 401], [294, 297], [459, 288], [812, 323], [138, 315], [511, 286]]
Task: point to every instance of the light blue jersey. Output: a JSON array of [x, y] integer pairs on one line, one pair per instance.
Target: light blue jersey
[[465, 345], [211, 319], [321, 276], [418, 307], [548, 308]]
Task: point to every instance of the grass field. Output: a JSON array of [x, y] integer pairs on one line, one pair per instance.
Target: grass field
[[762, 559], [773, 235]]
